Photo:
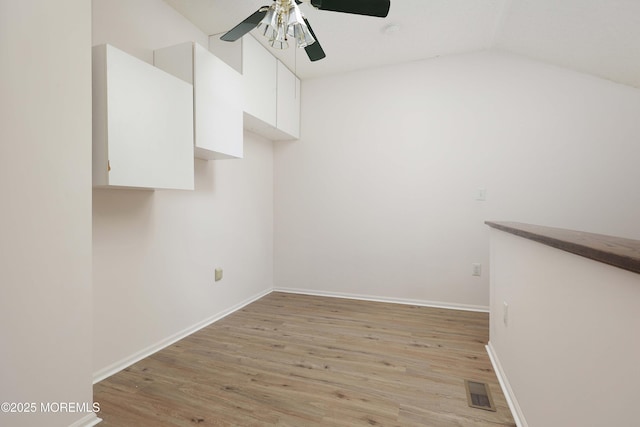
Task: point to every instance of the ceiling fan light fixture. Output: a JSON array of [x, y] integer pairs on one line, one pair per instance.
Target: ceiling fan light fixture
[[270, 18], [275, 26], [302, 35], [277, 40], [284, 20], [298, 28]]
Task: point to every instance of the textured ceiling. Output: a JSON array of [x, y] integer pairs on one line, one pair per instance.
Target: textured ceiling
[[600, 37]]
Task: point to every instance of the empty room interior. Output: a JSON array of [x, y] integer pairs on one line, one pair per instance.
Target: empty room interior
[[319, 213]]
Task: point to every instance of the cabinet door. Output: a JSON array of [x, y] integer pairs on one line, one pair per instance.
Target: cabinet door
[[218, 107], [259, 71], [217, 97], [288, 110], [143, 124]]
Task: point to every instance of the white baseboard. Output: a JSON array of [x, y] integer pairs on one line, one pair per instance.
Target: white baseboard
[[89, 420], [516, 411], [423, 303], [136, 357]]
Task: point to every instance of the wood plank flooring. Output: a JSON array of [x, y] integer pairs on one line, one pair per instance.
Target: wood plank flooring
[[298, 360]]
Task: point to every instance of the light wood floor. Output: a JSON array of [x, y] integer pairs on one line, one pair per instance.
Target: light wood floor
[[296, 360]]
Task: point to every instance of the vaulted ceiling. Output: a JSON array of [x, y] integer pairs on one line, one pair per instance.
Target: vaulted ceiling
[[600, 37]]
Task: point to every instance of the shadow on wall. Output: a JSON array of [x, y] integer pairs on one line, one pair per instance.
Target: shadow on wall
[[204, 175]]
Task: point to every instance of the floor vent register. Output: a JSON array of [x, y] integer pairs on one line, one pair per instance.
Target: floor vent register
[[479, 396]]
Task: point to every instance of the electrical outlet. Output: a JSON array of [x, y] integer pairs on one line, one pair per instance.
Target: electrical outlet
[[476, 269], [505, 313], [218, 274]]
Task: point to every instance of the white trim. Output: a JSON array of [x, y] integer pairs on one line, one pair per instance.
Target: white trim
[[516, 411], [89, 420], [423, 303], [136, 357]]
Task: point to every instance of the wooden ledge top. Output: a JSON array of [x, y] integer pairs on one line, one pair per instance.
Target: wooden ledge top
[[616, 251]]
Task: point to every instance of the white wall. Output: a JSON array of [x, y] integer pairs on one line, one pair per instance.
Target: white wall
[[154, 253], [45, 219], [570, 349], [378, 197]]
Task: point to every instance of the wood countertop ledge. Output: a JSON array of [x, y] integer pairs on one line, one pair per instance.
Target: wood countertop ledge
[[616, 251]]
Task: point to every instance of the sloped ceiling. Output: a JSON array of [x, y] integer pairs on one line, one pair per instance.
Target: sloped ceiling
[[600, 37]]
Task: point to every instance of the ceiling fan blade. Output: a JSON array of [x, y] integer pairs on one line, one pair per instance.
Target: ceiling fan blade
[[314, 50], [378, 8], [245, 26]]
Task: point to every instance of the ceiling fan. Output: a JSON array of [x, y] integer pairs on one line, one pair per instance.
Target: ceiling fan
[[283, 20]]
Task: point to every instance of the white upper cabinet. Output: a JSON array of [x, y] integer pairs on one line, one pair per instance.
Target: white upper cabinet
[[288, 98], [259, 72], [272, 91], [217, 97], [142, 124]]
